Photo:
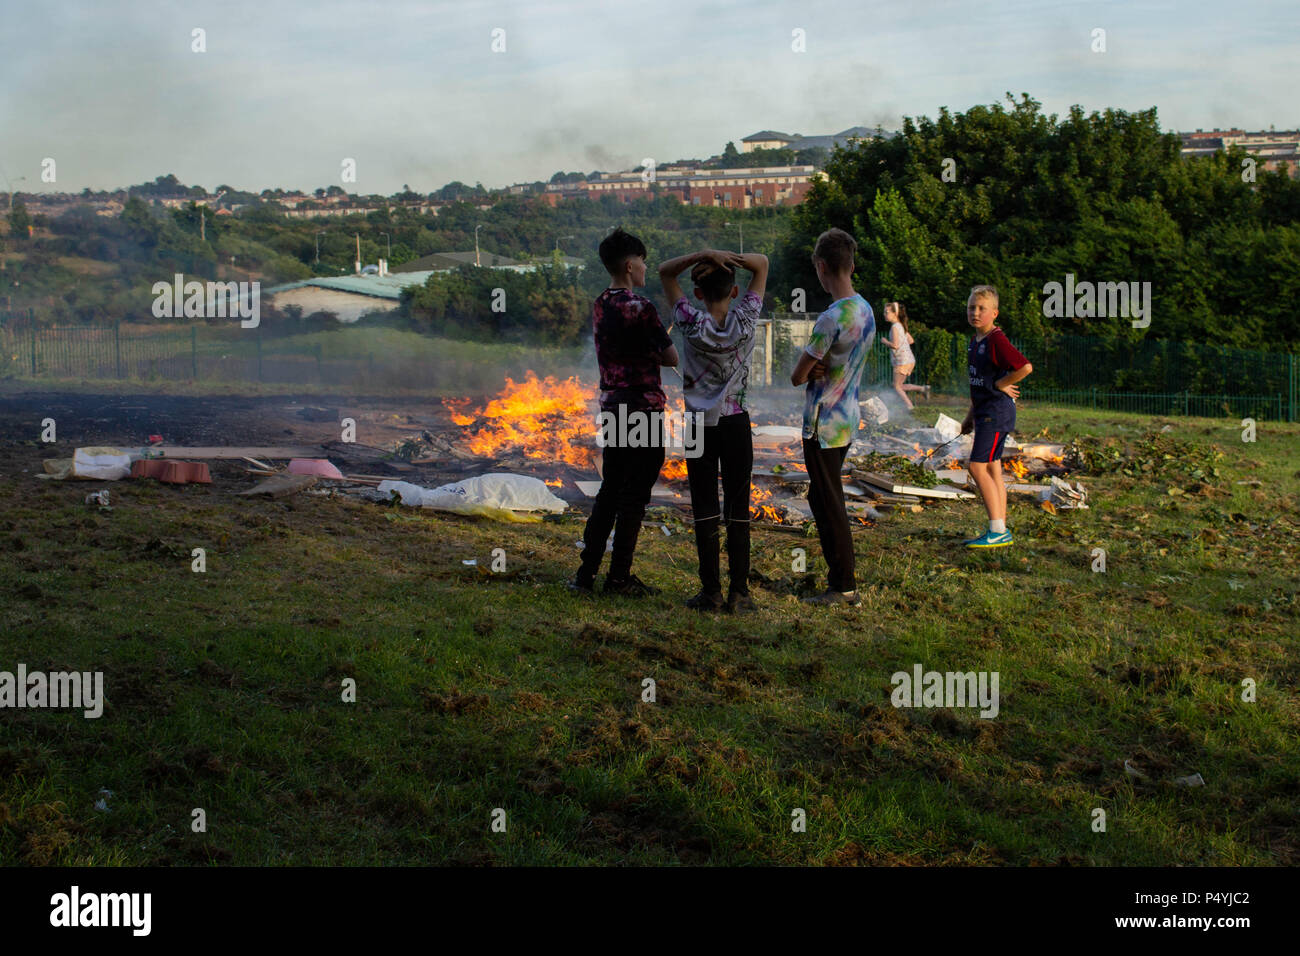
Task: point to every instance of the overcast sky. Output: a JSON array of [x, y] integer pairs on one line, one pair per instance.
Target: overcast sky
[[414, 93]]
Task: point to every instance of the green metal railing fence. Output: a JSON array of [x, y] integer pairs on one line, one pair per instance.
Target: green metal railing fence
[[1151, 376]]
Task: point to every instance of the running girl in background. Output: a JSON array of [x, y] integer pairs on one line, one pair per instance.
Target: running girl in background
[[899, 341]]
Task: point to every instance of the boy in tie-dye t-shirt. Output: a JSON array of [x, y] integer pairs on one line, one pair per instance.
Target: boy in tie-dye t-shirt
[[841, 341], [831, 366]]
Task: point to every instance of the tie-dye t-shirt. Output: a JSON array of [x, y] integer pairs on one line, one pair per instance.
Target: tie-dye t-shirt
[[629, 338], [842, 337], [715, 364]]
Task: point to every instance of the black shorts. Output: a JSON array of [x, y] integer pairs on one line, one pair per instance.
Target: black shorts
[[990, 436]]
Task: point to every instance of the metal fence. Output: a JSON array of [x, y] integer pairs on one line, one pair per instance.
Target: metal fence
[[230, 355], [1152, 376]]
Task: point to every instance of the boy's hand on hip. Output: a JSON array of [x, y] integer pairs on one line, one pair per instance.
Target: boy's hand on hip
[[1012, 390]]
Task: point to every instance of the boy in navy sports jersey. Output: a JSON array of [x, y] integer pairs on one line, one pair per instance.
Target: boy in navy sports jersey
[[995, 367]]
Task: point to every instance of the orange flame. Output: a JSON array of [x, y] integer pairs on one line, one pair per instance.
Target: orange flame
[[541, 418], [1017, 467], [674, 469]]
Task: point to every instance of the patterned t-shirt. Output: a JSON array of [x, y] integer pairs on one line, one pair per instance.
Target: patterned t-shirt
[[629, 338], [842, 337], [715, 362]]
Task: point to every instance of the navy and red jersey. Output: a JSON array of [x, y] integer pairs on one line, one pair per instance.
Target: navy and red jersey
[[988, 360], [629, 338]]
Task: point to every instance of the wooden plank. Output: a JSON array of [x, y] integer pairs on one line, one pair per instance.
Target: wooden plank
[[879, 496], [230, 451]]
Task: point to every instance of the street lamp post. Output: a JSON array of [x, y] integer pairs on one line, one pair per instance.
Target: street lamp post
[[389, 243], [741, 226], [319, 233], [476, 255]]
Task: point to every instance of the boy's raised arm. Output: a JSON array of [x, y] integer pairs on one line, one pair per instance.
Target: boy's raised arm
[[670, 270], [756, 264]]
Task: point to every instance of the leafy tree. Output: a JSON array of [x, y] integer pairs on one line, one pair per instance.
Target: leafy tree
[[19, 220]]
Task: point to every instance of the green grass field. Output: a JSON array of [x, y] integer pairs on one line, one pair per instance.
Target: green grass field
[[477, 691]]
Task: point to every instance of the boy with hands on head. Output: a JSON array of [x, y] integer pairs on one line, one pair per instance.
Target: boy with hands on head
[[718, 342]]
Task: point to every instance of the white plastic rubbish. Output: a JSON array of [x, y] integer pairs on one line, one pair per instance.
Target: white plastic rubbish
[[947, 428], [476, 495], [101, 464], [875, 408]]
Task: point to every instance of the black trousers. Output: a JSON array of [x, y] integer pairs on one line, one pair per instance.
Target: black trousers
[[729, 447], [826, 499], [627, 478]]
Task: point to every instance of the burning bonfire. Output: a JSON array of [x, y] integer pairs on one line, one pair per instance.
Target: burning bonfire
[[539, 418]]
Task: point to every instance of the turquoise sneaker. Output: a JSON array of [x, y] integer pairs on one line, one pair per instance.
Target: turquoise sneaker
[[990, 539]]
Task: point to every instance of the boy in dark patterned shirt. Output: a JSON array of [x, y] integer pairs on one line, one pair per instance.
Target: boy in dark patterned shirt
[[631, 345]]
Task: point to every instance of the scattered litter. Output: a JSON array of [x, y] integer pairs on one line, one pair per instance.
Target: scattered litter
[[98, 498], [1065, 495], [155, 439], [1194, 780], [667, 533], [470, 562], [1235, 585], [1133, 771]]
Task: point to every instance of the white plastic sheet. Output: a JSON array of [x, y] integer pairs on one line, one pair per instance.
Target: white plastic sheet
[[481, 495]]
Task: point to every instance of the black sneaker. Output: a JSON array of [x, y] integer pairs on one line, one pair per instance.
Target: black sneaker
[[707, 602], [740, 603], [848, 598], [630, 586]]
